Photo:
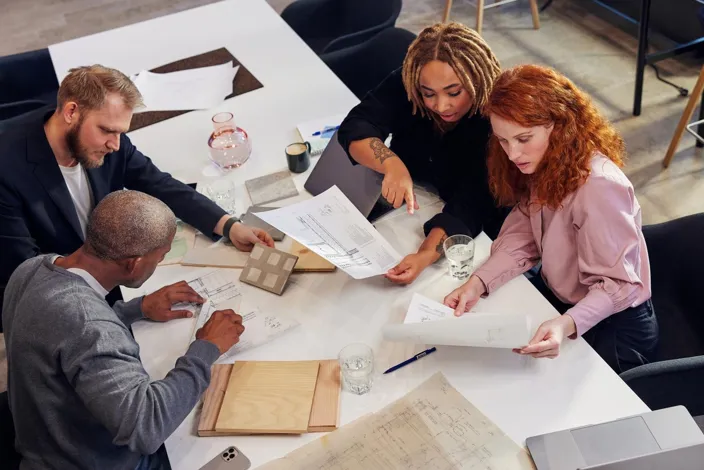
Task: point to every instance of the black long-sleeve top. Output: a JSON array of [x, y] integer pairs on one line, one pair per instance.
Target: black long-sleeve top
[[454, 162]]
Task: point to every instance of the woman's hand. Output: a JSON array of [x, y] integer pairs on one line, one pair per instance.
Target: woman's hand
[[549, 337], [410, 267], [466, 296], [397, 186]]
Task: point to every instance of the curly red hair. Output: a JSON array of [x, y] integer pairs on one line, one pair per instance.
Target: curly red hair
[[531, 96]]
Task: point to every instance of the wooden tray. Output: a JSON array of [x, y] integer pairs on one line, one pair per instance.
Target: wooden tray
[[324, 414]]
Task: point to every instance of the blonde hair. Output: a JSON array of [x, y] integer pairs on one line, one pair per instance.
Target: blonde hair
[[461, 48], [89, 85]]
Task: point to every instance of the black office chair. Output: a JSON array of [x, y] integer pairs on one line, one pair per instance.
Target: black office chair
[[10, 458], [364, 66], [28, 76], [677, 270], [330, 25]]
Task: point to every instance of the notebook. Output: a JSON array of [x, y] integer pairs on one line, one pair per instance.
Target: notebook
[[325, 126]]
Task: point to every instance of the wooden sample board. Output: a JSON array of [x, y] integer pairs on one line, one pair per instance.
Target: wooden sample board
[[309, 261], [323, 414], [268, 268]]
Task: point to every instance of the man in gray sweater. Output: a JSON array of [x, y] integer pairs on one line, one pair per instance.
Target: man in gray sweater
[[78, 393]]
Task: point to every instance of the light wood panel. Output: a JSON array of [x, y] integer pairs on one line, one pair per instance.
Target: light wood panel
[[268, 398]]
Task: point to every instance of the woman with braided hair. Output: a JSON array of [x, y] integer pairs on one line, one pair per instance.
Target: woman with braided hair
[[431, 108]]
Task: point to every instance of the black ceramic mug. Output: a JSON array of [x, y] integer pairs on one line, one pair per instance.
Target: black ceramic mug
[[298, 156]]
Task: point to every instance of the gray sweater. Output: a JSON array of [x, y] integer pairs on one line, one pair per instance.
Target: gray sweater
[[79, 395]]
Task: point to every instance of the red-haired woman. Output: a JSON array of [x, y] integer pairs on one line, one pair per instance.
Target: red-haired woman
[[555, 158]]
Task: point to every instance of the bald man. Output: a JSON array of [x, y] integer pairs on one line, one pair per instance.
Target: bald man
[[78, 393]]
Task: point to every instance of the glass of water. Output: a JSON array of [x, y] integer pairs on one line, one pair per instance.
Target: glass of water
[[222, 192], [459, 251], [357, 366]]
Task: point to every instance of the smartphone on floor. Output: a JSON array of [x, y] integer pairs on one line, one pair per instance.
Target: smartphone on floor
[[229, 459]]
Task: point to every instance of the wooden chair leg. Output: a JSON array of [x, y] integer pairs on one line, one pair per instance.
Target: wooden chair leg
[[446, 13], [534, 12], [480, 15], [694, 98]]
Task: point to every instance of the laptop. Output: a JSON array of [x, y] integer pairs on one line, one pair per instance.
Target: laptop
[[624, 444], [360, 184]]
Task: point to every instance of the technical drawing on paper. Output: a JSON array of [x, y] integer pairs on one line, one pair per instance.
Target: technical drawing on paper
[[432, 428]]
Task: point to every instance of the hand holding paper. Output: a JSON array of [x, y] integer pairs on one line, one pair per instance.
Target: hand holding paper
[[466, 296], [549, 337]]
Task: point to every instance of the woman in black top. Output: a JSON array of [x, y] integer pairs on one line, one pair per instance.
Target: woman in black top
[[431, 108]]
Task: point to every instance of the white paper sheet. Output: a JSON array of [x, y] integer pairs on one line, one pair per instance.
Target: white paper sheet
[[433, 427], [430, 322], [201, 88], [216, 288], [259, 328], [319, 142], [331, 226]]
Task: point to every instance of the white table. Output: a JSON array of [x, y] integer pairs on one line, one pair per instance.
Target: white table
[[522, 395]]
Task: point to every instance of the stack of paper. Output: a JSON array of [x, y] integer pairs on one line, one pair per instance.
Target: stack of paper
[[430, 322], [201, 88]]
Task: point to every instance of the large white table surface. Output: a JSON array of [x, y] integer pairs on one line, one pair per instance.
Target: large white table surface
[[297, 85], [523, 396]]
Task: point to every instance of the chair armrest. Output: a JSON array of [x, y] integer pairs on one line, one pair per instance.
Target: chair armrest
[[670, 383]]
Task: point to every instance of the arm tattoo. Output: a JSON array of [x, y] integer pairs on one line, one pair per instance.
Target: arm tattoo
[[439, 246], [381, 151]]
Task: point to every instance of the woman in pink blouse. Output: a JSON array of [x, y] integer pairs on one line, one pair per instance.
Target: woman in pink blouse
[[557, 161]]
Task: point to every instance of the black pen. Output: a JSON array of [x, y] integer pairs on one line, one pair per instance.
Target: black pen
[[413, 359]]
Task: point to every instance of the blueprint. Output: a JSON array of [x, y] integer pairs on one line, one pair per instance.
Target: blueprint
[[432, 428]]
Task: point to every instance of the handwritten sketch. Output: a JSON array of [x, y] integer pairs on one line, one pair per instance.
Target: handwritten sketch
[[432, 428], [215, 287], [260, 328]]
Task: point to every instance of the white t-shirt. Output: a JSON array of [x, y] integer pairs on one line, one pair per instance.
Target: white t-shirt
[[79, 188]]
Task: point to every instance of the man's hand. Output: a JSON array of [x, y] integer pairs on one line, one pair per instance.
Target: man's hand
[[157, 305], [466, 296], [397, 186], [223, 329], [549, 337], [410, 267], [245, 237]]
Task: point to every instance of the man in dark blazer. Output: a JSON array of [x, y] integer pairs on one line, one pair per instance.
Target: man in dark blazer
[[56, 165]]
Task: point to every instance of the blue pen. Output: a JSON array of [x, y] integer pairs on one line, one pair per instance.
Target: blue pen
[[413, 359], [327, 130]]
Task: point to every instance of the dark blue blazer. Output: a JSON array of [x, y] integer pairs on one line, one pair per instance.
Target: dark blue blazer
[[37, 214]]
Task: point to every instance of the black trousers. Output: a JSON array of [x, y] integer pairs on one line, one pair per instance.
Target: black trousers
[[624, 340]]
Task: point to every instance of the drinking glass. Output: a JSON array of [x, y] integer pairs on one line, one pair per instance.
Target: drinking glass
[[357, 366], [229, 145], [222, 192], [459, 251]]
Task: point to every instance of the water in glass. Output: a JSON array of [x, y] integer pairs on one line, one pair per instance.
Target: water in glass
[[459, 258], [357, 374], [222, 192], [357, 366]]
